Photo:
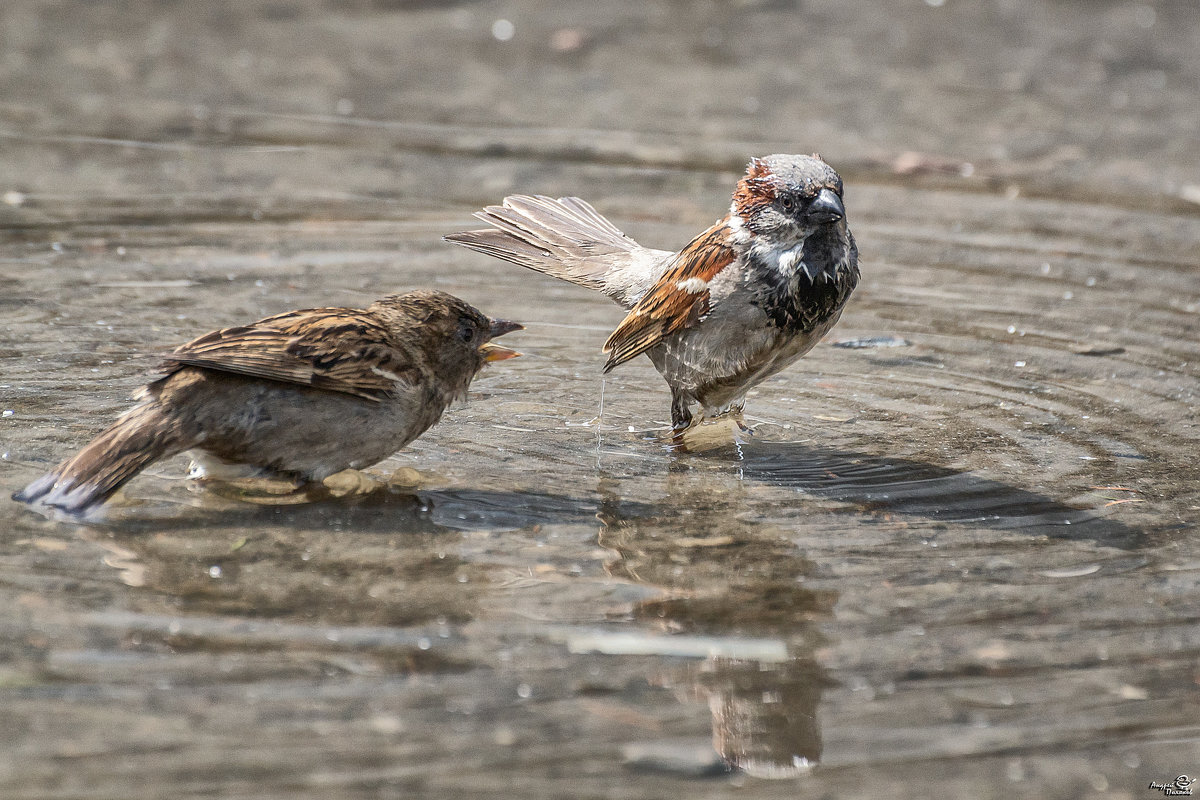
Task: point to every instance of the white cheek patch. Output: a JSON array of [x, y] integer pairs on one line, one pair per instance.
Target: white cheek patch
[[737, 227], [782, 261], [789, 258], [692, 285]]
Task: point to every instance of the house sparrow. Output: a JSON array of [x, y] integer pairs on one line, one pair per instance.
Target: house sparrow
[[738, 303], [303, 394]]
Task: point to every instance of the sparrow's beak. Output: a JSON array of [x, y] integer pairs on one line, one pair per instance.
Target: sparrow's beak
[[826, 207], [503, 326], [494, 352]]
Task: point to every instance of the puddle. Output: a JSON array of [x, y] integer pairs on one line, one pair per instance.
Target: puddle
[[915, 520]]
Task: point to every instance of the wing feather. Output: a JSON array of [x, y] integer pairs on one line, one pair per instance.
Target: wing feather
[[679, 298], [338, 349]]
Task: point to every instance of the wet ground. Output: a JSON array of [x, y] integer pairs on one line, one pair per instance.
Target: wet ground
[[957, 557]]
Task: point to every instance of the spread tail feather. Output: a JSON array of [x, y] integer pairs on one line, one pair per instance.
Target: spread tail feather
[[140, 437], [567, 239]]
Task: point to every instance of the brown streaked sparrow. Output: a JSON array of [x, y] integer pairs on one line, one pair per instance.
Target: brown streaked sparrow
[[738, 303], [303, 394]]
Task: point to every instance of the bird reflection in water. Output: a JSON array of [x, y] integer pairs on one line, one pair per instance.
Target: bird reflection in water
[[765, 715], [731, 584]]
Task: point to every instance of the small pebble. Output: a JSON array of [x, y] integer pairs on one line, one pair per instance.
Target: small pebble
[[1097, 349]]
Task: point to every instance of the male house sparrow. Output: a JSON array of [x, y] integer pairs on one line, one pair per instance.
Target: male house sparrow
[[303, 394], [738, 303]]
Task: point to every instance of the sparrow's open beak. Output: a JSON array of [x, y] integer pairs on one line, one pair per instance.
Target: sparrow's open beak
[[826, 207], [494, 352]]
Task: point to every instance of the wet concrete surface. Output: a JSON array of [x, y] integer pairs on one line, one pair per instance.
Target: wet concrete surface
[[957, 557]]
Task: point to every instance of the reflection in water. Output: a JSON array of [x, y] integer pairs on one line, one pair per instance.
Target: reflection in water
[[723, 576], [765, 715], [723, 573], [384, 557], [731, 589]]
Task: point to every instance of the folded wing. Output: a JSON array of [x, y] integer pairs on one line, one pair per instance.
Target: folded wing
[[336, 349], [677, 300]]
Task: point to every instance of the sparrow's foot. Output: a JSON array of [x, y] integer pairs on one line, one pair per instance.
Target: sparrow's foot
[[351, 482], [708, 434], [736, 415], [256, 485], [672, 437], [681, 413], [409, 478], [740, 421]]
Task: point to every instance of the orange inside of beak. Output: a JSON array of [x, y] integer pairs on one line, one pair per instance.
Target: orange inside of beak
[[494, 352]]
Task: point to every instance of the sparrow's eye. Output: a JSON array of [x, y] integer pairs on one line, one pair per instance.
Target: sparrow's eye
[[787, 203], [466, 330]]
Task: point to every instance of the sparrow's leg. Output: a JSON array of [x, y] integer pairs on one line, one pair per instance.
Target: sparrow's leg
[[735, 413], [681, 416]]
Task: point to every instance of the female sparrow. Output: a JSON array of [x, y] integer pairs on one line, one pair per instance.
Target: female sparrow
[[738, 303], [303, 394]]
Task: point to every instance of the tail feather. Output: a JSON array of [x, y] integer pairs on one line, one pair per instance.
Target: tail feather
[[567, 221], [567, 239], [140, 437], [588, 215]]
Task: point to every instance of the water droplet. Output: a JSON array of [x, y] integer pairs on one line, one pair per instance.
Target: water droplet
[[524, 691], [214, 571], [503, 30], [424, 643]]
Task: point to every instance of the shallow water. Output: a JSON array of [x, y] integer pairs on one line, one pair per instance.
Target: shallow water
[[956, 556]]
